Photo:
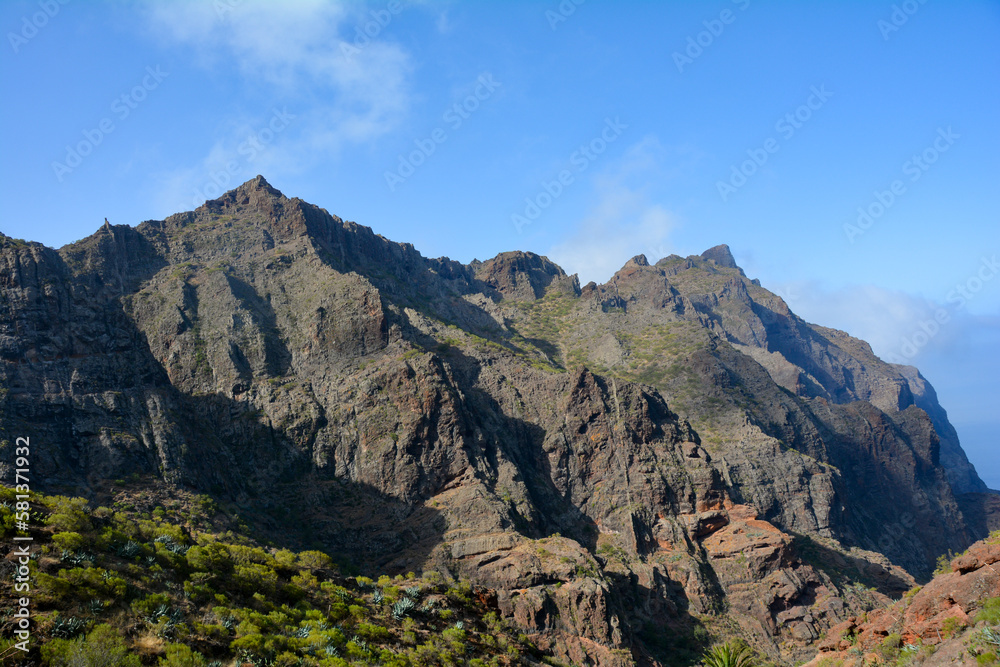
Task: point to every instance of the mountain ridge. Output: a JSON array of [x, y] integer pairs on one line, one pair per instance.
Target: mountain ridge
[[682, 436]]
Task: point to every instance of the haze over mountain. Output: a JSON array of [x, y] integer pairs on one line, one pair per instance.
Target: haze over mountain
[[614, 463]]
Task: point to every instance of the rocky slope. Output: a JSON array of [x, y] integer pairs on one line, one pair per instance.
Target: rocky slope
[[951, 620], [621, 464]]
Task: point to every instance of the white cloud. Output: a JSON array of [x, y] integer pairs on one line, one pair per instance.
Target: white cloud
[[343, 86], [901, 327], [623, 223]]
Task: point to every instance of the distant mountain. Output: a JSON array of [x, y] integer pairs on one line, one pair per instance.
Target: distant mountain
[[621, 465]]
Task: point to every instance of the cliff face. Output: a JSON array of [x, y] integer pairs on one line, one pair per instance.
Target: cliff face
[[608, 461]]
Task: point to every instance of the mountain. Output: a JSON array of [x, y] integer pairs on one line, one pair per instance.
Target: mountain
[[622, 466]]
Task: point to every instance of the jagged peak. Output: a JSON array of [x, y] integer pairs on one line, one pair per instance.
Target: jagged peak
[[258, 184], [638, 260], [523, 275], [521, 260], [721, 255]]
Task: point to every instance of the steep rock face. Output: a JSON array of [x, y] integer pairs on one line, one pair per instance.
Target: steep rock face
[[523, 276], [610, 464], [961, 474]]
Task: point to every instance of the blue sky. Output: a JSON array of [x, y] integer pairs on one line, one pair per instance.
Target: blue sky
[[587, 132]]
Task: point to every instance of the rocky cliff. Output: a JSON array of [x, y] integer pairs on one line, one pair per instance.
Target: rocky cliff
[[619, 465]]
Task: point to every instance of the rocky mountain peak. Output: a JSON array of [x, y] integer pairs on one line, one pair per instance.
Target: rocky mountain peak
[[674, 439], [522, 276], [721, 255]]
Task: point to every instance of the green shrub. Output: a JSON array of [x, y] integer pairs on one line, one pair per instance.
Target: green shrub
[[315, 560], [102, 647], [179, 655], [990, 611], [212, 558], [69, 541], [889, 648]]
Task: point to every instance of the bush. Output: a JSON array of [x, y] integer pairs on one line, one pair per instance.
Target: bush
[[69, 541], [103, 647], [990, 611], [179, 655]]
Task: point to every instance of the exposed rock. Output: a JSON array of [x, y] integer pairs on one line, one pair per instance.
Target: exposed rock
[[610, 465], [939, 614]]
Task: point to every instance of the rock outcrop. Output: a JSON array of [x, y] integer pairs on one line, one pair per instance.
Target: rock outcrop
[[614, 466], [938, 620]]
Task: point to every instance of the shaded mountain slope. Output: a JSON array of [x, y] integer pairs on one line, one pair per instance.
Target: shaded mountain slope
[[612, 460]]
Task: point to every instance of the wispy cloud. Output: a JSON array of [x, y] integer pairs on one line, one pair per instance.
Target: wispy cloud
[[624, 221], [901, 327], [305, 52]]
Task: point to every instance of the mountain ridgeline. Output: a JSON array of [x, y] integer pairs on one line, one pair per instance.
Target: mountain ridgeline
[[617, 465]]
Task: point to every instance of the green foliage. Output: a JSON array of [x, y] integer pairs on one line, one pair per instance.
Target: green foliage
[[102, 647], [731, 654], [944, 563], [234, 600], [180, 655], [990, 611], [950, 626], [890, 647], [69, 541]]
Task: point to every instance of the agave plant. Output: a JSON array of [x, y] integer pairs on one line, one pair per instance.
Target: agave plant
[[991, 636], [129, 550], [377, 596], [731, 654], [402, 608], [95, 606], [413, 592], [67, 628]]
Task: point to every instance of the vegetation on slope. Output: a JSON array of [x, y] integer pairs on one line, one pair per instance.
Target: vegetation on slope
[[176, 586]]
